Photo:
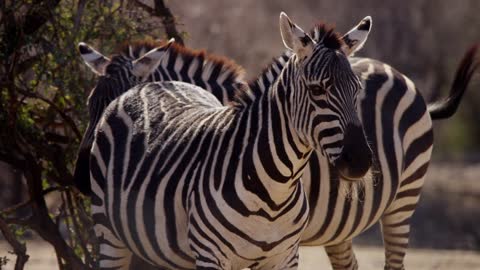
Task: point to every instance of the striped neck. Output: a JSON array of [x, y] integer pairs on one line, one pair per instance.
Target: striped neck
[[217, 75], [274, 148], [270, 74], [262, 83]]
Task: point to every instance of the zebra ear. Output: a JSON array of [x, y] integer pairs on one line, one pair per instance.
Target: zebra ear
[[146, 64], [356, 37], [95, 60], [294, 38]]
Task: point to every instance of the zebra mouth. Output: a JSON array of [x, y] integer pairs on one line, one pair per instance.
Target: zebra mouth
[[346, 176]]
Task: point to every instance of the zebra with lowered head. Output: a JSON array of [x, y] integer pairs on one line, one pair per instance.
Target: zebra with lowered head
[[215, 74], [184, 182]]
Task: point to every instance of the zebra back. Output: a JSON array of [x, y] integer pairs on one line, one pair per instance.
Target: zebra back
[[218, 75]]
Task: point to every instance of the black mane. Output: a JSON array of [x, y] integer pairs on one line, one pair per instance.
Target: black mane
[[325, 33], [138, 48]]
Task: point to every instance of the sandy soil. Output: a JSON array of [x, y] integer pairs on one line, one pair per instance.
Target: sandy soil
[[419, 259], [42, 257]]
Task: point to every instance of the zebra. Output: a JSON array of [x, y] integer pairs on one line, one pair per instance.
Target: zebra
[[184, 182], [376, 77], [391, 198], [216, 74], [398, 126]]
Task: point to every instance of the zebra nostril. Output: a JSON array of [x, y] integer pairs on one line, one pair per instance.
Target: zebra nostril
[[348, 158]]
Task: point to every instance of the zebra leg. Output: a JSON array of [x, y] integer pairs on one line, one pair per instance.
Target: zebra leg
[[290, 261], [341, 256], [206, 259], [395, 223], [113, 254], [396, 226], [284, 261], [206, 264], [395, 239]]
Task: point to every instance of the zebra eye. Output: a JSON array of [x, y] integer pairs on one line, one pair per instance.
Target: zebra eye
[[317, 90]]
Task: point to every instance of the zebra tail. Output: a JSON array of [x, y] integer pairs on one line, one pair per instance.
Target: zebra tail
[[447, 107]]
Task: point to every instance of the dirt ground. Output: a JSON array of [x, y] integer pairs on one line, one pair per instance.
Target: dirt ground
[[418, 259], [42, 257], [445, 230]]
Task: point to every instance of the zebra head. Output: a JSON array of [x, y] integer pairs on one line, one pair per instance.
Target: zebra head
[[323, 109], [117, 75]]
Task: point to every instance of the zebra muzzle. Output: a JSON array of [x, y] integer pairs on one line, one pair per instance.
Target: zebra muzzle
[[356, 157]]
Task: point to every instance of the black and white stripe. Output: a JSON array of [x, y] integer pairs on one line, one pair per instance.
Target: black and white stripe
[[398, 126], [327, 196], [182, 181], [217, 75]]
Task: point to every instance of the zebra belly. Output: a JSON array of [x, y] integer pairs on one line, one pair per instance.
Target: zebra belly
[[164, 233]]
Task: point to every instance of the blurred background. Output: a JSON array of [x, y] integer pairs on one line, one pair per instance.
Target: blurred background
[[44, 83], [424, 39]]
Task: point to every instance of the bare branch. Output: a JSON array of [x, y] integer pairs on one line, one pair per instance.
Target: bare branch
[[38, 16], [40, 220], [168, 20], [144, 6], [18, 248], [78, 18], [16, 207]]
